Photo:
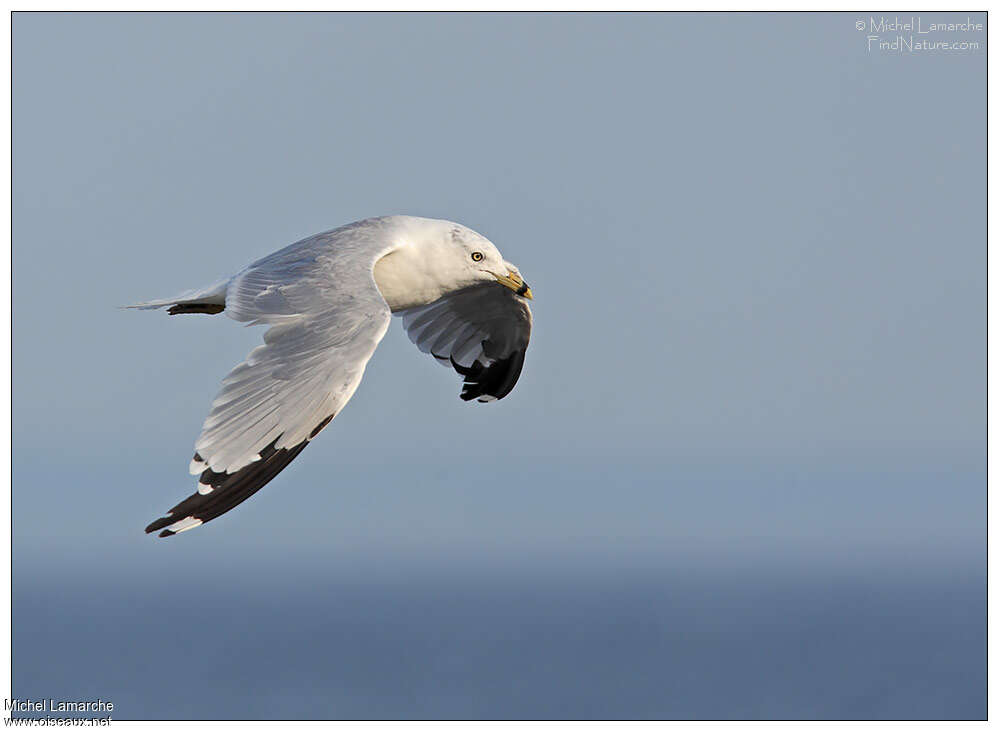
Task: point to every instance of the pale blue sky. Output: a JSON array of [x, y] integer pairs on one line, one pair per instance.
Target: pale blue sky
[[742, 249], [757, 250]]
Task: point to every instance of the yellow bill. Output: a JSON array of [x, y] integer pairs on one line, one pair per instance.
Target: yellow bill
[[515, 282]]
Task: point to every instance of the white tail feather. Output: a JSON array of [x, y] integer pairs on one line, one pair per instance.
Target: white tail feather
[[211, 295]]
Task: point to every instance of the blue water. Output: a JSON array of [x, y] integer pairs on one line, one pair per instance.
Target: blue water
[[449, 642]]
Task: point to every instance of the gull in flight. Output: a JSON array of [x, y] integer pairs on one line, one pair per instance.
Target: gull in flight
[[328, 300]]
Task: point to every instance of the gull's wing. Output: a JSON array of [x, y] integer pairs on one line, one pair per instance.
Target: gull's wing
[[327, 317], [482, 332]]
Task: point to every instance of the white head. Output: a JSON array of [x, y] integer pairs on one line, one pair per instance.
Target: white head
[[435, 257]]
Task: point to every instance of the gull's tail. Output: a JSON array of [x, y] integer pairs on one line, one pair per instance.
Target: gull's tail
[[210, 300]]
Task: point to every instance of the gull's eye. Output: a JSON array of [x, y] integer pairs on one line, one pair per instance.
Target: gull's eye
[[477, 256]]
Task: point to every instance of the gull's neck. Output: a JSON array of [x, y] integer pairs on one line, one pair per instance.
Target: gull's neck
[[417, 272]]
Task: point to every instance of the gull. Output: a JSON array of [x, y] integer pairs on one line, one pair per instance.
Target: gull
[[328, 300]]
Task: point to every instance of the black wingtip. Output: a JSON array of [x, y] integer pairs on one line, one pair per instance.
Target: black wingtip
[[231, 489], [159, 524], [495, 380], [228, 490]]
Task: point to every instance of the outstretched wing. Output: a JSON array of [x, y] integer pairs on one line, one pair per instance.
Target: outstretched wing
[[482, 332], [327, 317]]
